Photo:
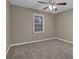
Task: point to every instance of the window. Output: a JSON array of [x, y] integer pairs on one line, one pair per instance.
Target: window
[[38, 23]]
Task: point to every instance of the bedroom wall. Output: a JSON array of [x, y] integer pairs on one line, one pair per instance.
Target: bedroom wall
[[7, 24], [21, 25], [59, 25], [64, 25]]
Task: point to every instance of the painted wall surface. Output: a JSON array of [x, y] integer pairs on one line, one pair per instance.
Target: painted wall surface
[[21, 25], [7, 24], [64, 25], [59, 25]]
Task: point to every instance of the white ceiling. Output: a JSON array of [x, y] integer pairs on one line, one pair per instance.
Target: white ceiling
[[33, 4]]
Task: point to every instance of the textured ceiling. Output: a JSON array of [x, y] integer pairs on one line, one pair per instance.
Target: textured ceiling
[[33, 4]]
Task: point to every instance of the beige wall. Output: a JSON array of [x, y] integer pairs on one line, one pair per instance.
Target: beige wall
[[21, 25], [60, 25], [64, 25], [7, 24]]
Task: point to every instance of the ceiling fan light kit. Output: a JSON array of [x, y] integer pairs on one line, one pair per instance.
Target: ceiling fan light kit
[[50, 7], [54, 7]]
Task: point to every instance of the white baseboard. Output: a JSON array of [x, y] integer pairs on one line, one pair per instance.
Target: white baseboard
[[8, 49], [67, 41], [60, 39]]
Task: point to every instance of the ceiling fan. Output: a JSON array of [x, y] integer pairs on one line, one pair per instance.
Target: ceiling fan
[[51, 5]]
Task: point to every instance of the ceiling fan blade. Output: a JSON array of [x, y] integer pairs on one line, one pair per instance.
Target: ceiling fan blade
[[61, 3], [50, 1], [42, 2], [45, 8]]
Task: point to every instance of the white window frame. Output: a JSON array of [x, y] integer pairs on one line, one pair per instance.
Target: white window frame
[[34, 23]]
